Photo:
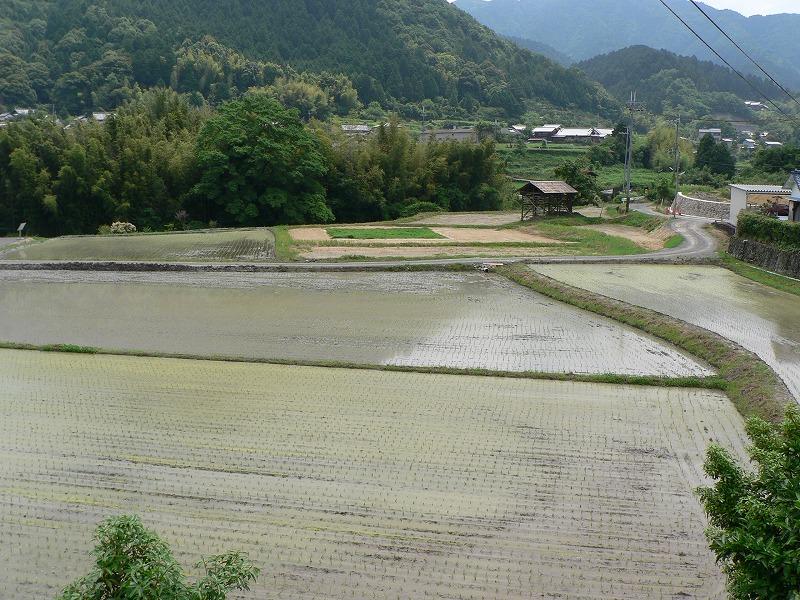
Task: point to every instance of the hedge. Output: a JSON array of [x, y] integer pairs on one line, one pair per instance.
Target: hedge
[[769, 230]]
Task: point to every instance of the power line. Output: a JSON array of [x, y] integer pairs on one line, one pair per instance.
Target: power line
[[742, 50], [730, 66]]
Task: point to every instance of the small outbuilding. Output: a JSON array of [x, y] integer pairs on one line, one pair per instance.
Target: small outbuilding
[[541, 198], [754, 196]]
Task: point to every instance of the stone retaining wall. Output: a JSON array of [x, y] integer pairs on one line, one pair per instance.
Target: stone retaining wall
[[766, 256], [685, 205]]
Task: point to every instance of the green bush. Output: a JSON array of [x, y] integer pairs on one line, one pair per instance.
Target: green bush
[[766, 229], [419, 207]]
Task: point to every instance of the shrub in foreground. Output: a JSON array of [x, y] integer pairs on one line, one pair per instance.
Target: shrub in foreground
[[755, 515], [134, 563]]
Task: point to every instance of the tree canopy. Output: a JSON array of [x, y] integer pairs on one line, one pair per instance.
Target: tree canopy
[[755, 515], [133, 563]]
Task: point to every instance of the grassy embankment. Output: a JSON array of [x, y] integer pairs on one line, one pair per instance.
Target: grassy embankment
[[751, 384], [773, 280], [710, 383]]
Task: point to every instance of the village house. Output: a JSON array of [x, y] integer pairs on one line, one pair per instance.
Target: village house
[[356, 130], [753, 105], [567, 135], [714, 132], [456, 134]]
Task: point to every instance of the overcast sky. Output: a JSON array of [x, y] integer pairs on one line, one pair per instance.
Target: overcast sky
[[757, 7], [754, 7]]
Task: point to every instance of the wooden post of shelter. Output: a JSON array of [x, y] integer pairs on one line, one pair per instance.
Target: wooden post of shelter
[[540, 198]]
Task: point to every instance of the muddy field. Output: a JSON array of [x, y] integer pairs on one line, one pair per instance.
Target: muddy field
[[487, 219], [759, 318], [359, 484], [421, 319], [448, 235], [224, 245]]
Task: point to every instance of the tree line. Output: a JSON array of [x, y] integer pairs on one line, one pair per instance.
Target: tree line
[[252, 161]]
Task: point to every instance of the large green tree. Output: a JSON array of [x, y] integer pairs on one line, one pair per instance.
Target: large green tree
[[133, 563], [755, 515], [261, 165]]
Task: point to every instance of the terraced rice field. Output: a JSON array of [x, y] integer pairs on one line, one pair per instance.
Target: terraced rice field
[[761, 319], [209, 246], [420, 319], [359, 484]]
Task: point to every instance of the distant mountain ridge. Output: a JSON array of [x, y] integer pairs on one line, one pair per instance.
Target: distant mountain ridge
[[585, 28]]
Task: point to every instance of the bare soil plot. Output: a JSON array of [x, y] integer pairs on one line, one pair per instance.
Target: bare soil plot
[[652, 240], [487, 219], [424, 251], [356, 484], [224, 245], [449, 235], [455, 320], [763, 320]]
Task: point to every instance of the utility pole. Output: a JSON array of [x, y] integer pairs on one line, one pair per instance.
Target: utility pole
[[677, 154], [633, 106]]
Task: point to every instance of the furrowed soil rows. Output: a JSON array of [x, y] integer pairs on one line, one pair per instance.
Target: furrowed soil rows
[[360, 484], [233, 245], [759, 318], [418, 319]]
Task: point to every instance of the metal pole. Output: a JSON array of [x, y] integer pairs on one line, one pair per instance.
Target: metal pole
[[677, 154]]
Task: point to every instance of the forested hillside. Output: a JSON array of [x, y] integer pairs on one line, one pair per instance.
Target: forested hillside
[[85, 54], [666, 81], [585, 28]]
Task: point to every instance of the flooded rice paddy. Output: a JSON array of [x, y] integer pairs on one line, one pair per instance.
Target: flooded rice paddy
[[210, 246], [420, 319], [761, 319], [360, 484]]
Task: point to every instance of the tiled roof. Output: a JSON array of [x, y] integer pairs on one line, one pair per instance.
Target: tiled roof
[[553, 187]]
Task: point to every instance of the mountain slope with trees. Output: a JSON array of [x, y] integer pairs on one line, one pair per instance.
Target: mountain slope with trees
[[667, 82], [585, 28], [86, 54]]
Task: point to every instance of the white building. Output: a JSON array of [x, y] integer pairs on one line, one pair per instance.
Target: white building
[[714, 132], [753, 196], [794, 199]]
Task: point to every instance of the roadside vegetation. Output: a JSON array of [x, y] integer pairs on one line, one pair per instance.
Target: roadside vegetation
[[773, 280], [753, 511]]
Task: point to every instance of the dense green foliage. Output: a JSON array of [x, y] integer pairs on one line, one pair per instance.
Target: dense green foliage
[[260, 165], [159, 162], [715, 157], [671, 84], [84, 54], [755, 516], [133, 563], [782, 159], [767, 229], [579, 174]]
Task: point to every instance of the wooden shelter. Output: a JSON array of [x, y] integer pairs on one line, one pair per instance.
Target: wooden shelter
[[546, 198]]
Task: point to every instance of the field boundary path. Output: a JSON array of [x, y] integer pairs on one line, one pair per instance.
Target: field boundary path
[[699, 246]]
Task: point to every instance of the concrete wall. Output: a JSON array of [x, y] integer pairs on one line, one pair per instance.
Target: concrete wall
[[738, 204], [766, 256], [685, 205]]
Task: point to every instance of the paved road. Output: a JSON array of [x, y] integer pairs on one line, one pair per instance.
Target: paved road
[[698, 245]]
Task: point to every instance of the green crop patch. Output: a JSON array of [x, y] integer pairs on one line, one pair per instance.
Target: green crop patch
[[383, 233]]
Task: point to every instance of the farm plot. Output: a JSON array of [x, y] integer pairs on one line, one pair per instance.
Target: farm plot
[[759, 318], [360, 484], [411, 319], [225, 245]]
